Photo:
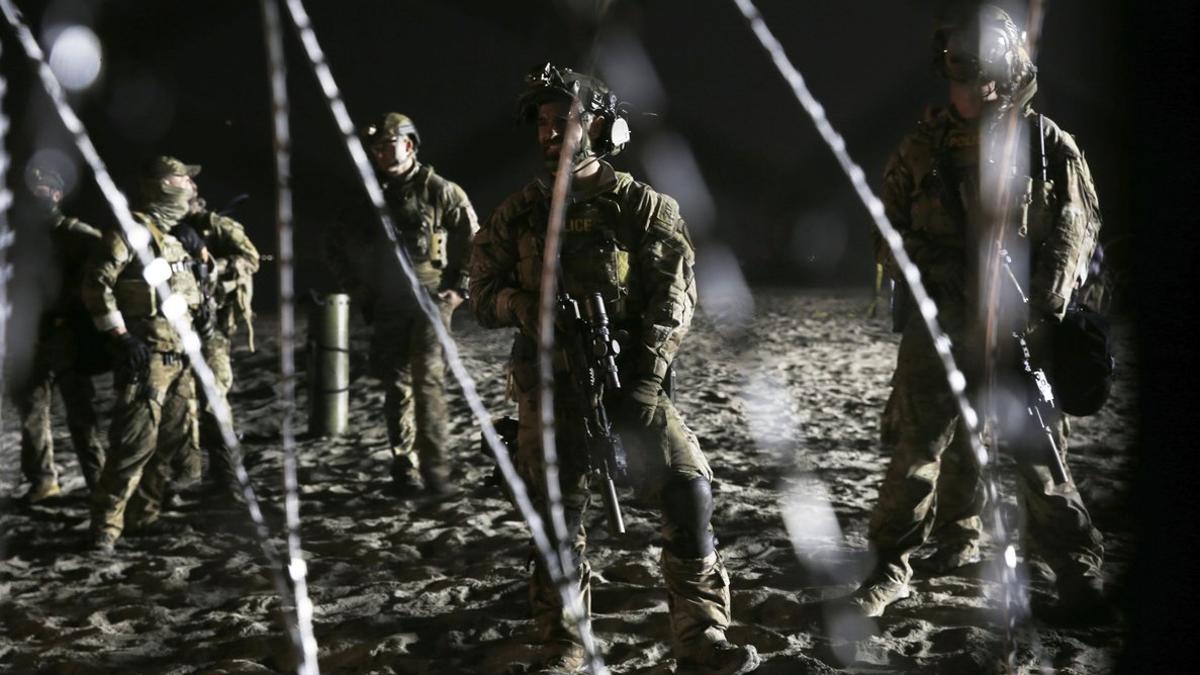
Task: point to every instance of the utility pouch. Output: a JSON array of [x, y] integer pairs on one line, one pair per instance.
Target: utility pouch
[[135, 298], [437, 248], [1022, 203]]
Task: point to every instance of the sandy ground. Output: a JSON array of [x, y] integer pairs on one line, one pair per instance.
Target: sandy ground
[[788, 413]]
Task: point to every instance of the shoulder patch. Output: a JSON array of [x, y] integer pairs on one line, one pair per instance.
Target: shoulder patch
[[515, 205], [668, 209], [1058, 139]]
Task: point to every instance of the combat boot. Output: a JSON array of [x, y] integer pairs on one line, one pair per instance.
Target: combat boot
[[406, 479], [437, 482], [43, 490], [878, 591], [720, 658], [104, 543], [699, 607], [949, 557], [1081, 600]]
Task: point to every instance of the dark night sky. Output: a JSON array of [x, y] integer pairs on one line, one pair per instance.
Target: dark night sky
[[188, 78]]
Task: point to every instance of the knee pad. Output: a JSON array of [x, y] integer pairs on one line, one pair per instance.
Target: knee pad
[[687, 505]]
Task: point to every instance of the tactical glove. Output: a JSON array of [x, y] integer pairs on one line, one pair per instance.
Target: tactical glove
[[190, 239], [204, 320], [641, 400], [135, 352], [524, 306]]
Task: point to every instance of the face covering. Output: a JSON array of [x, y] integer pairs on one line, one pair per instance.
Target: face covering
[[168, 203], [45, 208]]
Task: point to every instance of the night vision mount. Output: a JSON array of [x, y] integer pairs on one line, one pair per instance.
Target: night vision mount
[[547, 82]]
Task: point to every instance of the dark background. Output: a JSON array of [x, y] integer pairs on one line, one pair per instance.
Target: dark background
[[188, 79]]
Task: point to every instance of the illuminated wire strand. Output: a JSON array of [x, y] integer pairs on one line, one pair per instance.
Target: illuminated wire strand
[[564, 579], [174, 309], [996, 189], [546, 315], [547, 301], [297, 567], [925, 304], [7, 237]]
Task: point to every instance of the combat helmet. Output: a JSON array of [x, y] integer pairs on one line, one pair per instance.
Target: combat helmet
[[547, 82], [982, 43], [44, 176], [390, 126]]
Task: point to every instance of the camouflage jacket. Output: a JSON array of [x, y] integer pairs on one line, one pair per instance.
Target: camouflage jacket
[[928, 189], [116, 294], [623, 240], [73, 242], [433, 220], [237, 261]]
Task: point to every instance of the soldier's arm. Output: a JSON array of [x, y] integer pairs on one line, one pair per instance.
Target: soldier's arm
[[84, 240], [494, 293], [228, 242], [897, 193], [461, 224], [1063, 258], [664, 262], [100, 275]]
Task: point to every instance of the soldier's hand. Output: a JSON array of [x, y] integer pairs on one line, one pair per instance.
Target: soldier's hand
[[524, 306], [451, 297], [641, 400], [135, 351], [191, 240], [204, 320]]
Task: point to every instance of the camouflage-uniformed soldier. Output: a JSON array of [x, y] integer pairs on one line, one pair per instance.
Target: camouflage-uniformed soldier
[[931, 194], [230, 288], [628, 242], [434, 221], [58, 359], [156, 396]]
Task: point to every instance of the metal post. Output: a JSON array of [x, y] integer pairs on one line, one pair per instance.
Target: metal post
[[329, 365]]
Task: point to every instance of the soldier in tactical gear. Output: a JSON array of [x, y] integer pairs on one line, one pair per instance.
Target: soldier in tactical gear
[[932, 195], [434, 222], [60, 356], [156, 395], [229, 288], [627, 242]]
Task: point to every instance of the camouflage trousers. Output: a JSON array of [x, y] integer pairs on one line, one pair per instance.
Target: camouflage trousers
[[221, 459], [37, 437], [155, 418], [408, 361], [697, 587], [932, 483]]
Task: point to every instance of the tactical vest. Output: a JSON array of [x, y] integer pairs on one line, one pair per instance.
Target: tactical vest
[[945, 204], [598, 238], [417, 217], [138, 300], [945, 170]]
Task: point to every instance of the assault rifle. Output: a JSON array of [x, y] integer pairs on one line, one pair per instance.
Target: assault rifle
[[1038, 395], [591, 352]]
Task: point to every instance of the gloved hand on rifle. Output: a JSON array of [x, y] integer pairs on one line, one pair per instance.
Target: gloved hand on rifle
[[191, 240], [640, 402], [133, 353], [523, 306], [204, 319]]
